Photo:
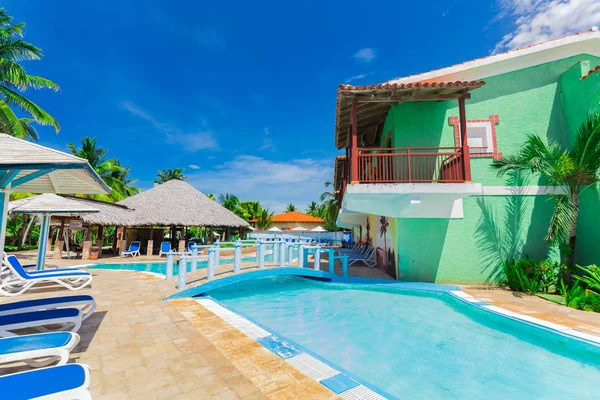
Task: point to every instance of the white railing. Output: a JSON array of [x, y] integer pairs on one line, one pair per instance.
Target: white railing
[[282, 252]]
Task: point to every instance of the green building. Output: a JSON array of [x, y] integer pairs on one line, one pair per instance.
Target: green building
[[428, 200]]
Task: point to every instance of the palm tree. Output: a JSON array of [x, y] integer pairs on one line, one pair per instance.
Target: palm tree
[[313, 208], [290, 207], [383, 221], [165, 175], [229, 201], [328, 210], [249, 210], [112, 172], [264, 219], [14, 79], [211, 196], [575, 169]]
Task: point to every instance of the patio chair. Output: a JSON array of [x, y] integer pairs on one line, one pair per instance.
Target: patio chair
[[67, 319], [134, 249], [71, 381], [85, 302], [20, 280], [191, 245], [367, 259], [39, 349], [165, 247]]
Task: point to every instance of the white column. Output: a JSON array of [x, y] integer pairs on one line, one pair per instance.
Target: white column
[[237, 257], [282, 255], [260, 254], [43, 241], [194, 262], [169, 272], [301, 256], [317, 264], [210, 269], [181, 273]]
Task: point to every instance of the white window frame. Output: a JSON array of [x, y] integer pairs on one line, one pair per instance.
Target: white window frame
[[488, 135]]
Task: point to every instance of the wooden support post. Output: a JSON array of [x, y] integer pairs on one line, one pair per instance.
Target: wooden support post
[[464, 140], [354, 147]]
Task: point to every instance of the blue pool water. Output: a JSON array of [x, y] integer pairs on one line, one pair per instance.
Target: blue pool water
[[160, 267], [419, 345]]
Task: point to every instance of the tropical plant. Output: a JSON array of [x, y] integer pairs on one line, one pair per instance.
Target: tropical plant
[[312, 209], [290, 207], [249, 210], [591, 277], [14, 79], [229, 201], [211, 196], [165, 175], [111, 171], [575, 169], [328, 210], [570, 293], [529, 275], [264, 220], [384, 225]]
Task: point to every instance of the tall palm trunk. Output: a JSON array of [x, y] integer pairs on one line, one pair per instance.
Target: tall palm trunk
[[572, 243], [26, 230]]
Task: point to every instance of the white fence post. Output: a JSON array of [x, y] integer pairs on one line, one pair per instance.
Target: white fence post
[[169, 272], [282, 254], [237, 258], [301, 256], [317, 264], [194, 262], [276, 252], [210, 269], [217, 253], [290, 254], [260, 254], [181, 274]]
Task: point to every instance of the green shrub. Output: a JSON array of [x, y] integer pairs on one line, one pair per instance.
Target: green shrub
[[528, 275], [579, 298], [590, 277]]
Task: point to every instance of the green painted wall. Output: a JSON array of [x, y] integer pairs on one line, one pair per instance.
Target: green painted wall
[[470, 249], [578, 98]]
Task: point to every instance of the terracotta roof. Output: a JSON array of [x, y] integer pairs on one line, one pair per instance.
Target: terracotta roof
[[592, 71], [296, 216], [375, 102]]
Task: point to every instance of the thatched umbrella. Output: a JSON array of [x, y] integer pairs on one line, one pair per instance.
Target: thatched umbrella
[[177, 203]]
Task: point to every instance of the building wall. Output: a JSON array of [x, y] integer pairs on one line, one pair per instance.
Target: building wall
[[494, 228]]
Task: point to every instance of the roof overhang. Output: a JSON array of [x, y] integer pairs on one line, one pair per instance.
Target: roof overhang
[[374, 102], [339, 167]]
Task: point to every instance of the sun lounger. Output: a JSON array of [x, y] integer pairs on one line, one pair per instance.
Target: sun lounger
[[20, 280], [165, 247], [71, 381], [367, 259], [86, 303], [134, 249], [38, 350], [66, 318]]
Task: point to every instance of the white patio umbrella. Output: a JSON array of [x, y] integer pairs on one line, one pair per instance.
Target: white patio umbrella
[[274, 229], [46, 205], [299, 229], [319, 229], [29, 167]]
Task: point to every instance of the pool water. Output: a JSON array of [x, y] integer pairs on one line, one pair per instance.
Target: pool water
[[160, 267], [417, 344]]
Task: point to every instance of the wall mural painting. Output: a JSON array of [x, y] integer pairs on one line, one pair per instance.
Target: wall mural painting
[[383, 238]]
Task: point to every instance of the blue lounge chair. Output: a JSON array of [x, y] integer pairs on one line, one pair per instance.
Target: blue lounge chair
[[20, 280], [71, 381], [134, 249], [86, 302], [38, 350], [66, 318], [191, 245], [165, 247]]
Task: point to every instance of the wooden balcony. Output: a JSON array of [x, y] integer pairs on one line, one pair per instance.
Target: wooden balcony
[[410, 165]]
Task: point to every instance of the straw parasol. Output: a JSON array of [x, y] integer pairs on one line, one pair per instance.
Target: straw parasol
[[178, 203]]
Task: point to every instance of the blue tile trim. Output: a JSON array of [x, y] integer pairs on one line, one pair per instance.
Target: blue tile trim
[[278, 346], [339, 383]]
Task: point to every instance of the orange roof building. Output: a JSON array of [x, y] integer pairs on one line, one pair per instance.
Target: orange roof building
[[294, 219]]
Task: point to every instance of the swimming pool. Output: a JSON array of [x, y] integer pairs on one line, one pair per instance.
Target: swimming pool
[[419, 344], [160, 267]]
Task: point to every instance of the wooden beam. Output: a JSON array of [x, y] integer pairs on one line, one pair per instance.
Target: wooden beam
[[462, 115], [354, 141], [401, 99]]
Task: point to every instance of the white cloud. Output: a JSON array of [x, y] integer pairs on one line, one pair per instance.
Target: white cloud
[[273, 183], [365, 55], [358, 77], [189, 141], [194, 166], [267, 142], [540, 20]]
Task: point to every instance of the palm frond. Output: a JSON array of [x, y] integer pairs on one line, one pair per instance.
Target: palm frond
[[563, 220], [40, 116], [27, 125], [586, 146], [11, 31], [18, 50], [9, 122]]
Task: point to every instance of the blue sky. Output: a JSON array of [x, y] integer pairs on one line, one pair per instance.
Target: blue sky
[[242, 94]]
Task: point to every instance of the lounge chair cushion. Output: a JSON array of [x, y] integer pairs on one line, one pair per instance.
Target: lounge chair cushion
[[42, 382], [17, 344], [54, 301], [39, 316]]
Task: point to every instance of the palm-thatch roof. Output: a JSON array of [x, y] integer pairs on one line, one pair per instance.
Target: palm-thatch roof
[[178, 203], [49, 203], [109, 214]]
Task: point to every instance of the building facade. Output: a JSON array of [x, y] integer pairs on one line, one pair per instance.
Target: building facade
[[427, 199]]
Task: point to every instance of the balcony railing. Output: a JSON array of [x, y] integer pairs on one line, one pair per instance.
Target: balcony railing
[[410, 165]]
